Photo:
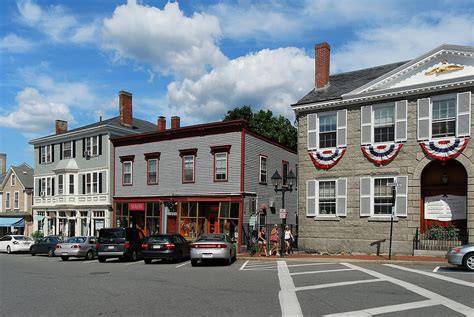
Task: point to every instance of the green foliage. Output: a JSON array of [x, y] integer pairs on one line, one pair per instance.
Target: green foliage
[[38, 234], [265, 123], [439, 232]]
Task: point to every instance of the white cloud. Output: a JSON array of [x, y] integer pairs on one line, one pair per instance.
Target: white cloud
[[34, 112], [268, 79], [399, 42], [15, 44], [85, 34], [30, 12], [166, 39]]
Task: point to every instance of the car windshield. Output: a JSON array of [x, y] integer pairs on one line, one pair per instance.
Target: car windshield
[[76, 240], [22, 238], [158, 239], [112, 233], [211, 237]]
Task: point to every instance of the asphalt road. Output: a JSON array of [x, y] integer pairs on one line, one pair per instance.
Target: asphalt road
[[43, 286]]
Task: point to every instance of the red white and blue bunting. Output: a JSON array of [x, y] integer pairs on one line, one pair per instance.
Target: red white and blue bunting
[[325, 159], [381, 154], [444, 150]]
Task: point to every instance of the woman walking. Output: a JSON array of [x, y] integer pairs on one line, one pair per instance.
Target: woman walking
[[262, 242], [274, 239], [288, 239]]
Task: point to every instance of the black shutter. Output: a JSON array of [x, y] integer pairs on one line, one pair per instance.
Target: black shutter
[[100, 182], [39, 187], [52, 152], [83, 183], [83, 147], [74, 148], [39, 154], [60, 151], [100, 144], [52, 186]]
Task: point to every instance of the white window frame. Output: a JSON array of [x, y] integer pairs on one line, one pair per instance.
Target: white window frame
[[318, 125], [124, 164], [432, 121], [13, 180], [92, 186], [48, 186], [70, 150], [8, 200], [340, 196], [224, 159], [263, 171], [193, 168], [16, 200], [46, 155], [61, 184], [149, 171], [71, 184], [374, 126], [318, 199], [92, 145], [372, 183]]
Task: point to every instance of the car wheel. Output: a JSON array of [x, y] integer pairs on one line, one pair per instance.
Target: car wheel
[[133, 258], [228, 261], [31, 252], [147, 261], [468, 261], [194, 262], [50, 252], [65, 258], [89, 255], [179, 257], [101, 259], [9, 250]]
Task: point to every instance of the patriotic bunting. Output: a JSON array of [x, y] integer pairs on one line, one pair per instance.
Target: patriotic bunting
[[381, 154], [325, 159], [444, 150]]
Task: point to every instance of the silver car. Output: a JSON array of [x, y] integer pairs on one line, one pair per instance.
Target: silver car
[[77, 247], [213, 246], [462, 256]]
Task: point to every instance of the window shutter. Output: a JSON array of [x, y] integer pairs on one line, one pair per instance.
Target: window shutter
[[401, 199], [39, 187], [83, 183], [424, 119], [312, 131], [401, 120], [83, 147], [52, 185], [60, 151], [463, 114], [365, 196], [52, 152], [100, 144], [100, 182], [366, 125], [341, 200], [341, 134], [39, 155], [311, 201], [74, 148]]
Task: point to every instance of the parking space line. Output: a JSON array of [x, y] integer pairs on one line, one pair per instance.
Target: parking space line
[[243, 265], [439, 299], [262, 269], [289, 303], [436, 269], [183, 264], [311, 287], [308, 264], [132, 263], [90, 261], [386, 309], [322, 271], [55, 260], [438, 276]]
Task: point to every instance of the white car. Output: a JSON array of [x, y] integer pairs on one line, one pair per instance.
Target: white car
[[15, 243], [213, 246]]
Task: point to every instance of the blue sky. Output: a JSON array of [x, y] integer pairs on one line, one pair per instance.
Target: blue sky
[[197, 59]]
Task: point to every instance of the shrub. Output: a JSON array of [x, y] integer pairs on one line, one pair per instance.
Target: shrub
[[442, 232], [38, 234]]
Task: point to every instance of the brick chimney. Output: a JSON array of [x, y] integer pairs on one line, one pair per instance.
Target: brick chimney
[[161, 124], [322, 59], [125, 106], [61, 126], [175, 122]]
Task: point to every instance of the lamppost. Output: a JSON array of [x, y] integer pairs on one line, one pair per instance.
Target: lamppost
[[276, 182]]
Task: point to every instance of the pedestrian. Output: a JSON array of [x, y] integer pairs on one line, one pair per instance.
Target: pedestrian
[[274, 240], [288, 239], [262, 242]]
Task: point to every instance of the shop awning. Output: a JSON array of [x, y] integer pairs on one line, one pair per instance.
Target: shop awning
[[12, 222]]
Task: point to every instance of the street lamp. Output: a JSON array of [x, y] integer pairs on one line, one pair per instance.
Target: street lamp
[[276, 182]]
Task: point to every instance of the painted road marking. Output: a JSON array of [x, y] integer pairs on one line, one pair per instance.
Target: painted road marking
[[322, 271], [438, 299], [132, 263], [436, 269], [183, 264], [312, 264], [440, 277], [386, 309], [243, 265], [289, 303], [90, 261], [320, 286]]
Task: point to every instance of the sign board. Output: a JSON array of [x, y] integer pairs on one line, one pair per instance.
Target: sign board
[[283, 213], [136, 206], [252, 220], [445, 207]]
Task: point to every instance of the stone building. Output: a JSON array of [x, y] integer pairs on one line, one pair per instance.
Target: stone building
[[397, 133]]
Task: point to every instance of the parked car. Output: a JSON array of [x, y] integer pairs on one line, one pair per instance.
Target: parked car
[[213, 246], [166, 247], [45, 245], [77, 247], [121, 243], [15, 243], [462, 256]]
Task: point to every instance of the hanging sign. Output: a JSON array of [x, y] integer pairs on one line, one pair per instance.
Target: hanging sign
[[252, 220], [325, 159], [381, 154], [445, 207], [136, 206], [444, 150]]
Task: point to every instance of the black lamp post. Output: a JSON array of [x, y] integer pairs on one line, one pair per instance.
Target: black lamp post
[[276, 182]]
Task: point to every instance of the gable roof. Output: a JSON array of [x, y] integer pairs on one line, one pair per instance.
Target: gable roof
[[24, 174], [343, 83]]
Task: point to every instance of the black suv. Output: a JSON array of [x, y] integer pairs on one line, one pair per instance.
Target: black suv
[[121, 243]]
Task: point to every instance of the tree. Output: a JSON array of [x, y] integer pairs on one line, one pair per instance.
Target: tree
[[262, 122]]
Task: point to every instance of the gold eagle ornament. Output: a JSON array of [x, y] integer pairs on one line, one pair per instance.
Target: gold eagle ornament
[[444, 68]]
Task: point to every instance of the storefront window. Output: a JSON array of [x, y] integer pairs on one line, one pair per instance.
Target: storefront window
[[152, 225], [188, 222], [229, 219]]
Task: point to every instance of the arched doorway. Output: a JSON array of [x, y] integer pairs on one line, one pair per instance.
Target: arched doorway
[[444, 195]]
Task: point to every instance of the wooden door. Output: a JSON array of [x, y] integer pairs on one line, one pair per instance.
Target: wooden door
[[171, 225]]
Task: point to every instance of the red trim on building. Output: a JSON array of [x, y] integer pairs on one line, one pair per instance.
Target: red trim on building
[[131, 162], [227, 168], [260, 169], [220, 148], [187, 152], [126, 158], [152, 155], [148, 170], [178, 199], [183, 181]]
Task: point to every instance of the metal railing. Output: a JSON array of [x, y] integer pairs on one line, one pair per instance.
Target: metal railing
[[421, 241]]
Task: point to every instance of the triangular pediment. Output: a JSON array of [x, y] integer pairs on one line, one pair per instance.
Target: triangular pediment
[[444, 64]]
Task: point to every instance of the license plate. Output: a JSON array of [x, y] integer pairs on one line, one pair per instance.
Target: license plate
[[207, 255], [157, 246], [111, 247], [64, 253]]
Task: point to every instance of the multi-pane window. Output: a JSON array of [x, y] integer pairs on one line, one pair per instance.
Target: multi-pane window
[[46, 154], [263, 169], [16, 200], [327, 130], [48, 186], [152, 171], [188, 168], [285, 168], [60, 184], [67, 150], [92, 145], [444, 117], [327, 198], [382, 196], [7, 200], [71, 184], [127, 173], [13, 180], [220, 162], [95, 183], [92, 183], [384, 123]]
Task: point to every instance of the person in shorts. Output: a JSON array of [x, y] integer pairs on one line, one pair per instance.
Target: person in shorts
[[288, 239], [262, 242], [274, 240]]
